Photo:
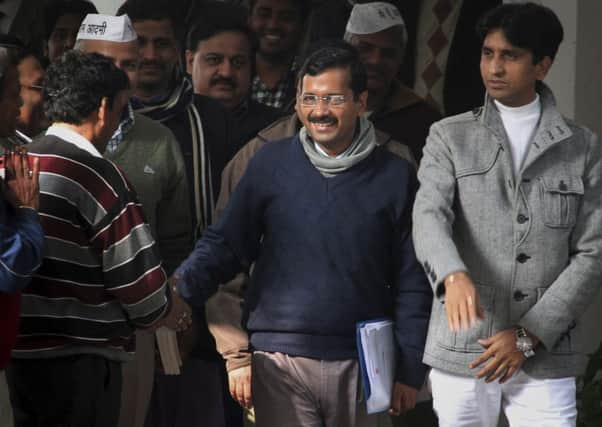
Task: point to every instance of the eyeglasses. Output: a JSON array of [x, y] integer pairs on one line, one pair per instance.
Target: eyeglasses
[[38, 88], [310, 100]]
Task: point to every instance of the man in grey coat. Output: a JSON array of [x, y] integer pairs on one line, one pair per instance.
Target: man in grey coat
[[508, 227]]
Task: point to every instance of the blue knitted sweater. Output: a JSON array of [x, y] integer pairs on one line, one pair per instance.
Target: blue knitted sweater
[[328, 252]]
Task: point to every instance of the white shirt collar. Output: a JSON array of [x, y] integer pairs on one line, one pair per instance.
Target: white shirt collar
[[74, 138]]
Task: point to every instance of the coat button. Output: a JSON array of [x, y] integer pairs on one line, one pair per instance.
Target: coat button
[[521, 219], [522, 258], [519, 296]]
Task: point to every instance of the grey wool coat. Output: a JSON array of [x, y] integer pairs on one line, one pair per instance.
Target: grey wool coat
[[532, 243]]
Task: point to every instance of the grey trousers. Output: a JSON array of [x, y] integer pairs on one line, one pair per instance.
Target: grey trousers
[[300, 392]]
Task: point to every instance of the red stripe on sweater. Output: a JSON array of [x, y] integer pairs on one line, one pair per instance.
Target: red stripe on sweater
[[85, 176], [121, 227], [146, 285], [50, 288], [63, 230]]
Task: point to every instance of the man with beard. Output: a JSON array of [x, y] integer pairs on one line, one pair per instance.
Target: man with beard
[[219, 59], [201, 126], [31, 78], [150, 156], [278, 26], [317, 274]]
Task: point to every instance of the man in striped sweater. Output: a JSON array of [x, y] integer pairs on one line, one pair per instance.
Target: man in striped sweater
[[101, 276]]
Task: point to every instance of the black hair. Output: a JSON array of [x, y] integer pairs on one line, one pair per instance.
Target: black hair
[[303, 6], [57, 8], [527, 26], [152, 10], [215, 18], [329, 54], [75, 84]]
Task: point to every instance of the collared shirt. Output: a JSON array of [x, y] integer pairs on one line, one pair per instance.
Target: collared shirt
[[74, 138], [279, 95], [124, 127]]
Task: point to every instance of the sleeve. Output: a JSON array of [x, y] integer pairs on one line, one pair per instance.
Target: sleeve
[[224, 312], [433, 215], [233, 173], [413, 298], [21, 251], [131, 263], [576, 287], [228, 246], [174, 221]]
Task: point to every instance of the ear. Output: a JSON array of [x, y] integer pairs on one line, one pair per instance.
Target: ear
[[542, 67], [102, 112], [362, 102], [189, 60]]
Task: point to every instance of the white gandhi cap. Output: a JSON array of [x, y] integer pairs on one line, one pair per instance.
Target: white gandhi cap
[[109, 28], [370, 18]]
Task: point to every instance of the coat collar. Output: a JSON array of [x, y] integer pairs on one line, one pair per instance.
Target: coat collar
[[552, 127]]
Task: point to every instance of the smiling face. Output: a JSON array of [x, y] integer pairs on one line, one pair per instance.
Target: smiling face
[[277, 25], [221, 67], [509, 72], [331, 126]]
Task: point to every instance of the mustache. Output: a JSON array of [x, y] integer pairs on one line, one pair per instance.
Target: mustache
[[324, 120], [147, 63], [224, 80]]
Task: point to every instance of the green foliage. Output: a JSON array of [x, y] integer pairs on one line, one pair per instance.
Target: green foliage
[[589, 393]]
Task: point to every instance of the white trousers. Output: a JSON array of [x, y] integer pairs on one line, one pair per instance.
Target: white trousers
[[463, 401]]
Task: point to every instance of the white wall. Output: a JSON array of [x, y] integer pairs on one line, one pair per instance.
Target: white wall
[[108, 7]]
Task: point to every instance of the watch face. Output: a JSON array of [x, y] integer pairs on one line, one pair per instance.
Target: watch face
[[525, 345]]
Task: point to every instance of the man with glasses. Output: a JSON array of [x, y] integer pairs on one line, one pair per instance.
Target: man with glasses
[[325, 218]]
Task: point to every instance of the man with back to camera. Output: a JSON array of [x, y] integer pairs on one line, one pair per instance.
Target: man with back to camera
[[508, 227], [150, 156], [315, 274], [101, 276]]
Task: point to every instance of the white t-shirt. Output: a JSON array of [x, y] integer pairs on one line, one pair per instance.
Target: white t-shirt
[[520, 124]]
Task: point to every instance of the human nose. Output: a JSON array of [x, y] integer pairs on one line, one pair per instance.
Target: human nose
[[496, 65], [226, 68], [148, 51]]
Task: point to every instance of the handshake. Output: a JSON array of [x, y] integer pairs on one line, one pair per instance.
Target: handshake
[[179, 316]]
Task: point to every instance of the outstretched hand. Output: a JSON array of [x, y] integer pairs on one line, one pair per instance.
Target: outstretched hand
[[179, 317]]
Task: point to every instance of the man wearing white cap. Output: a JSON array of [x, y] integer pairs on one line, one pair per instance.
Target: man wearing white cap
[[150, 156], [379, 33]]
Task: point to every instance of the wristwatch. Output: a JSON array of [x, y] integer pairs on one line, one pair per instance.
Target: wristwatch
[[524, 343]]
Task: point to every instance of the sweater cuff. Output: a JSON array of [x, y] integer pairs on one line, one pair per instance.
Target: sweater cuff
[[237, 360], [410, 370]]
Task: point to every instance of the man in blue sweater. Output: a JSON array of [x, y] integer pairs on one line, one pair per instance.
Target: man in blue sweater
[[325, 218]]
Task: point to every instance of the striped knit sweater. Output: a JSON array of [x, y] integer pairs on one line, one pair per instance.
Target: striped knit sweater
[[101, 275]]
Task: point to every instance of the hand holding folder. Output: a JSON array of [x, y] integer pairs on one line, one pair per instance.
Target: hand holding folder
[[376, 350]]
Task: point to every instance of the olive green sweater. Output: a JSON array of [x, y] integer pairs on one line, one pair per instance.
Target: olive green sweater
[[152, 161]]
